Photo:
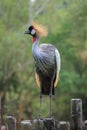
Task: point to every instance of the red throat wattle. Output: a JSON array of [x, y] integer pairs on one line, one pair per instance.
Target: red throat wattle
[[34, 39]]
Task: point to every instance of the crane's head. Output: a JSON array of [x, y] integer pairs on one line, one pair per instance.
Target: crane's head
[[37, 30], [31, 31]]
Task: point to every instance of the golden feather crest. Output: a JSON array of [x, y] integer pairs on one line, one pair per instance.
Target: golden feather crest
[[40, 29]]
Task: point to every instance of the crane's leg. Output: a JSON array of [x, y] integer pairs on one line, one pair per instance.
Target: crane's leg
[[40, 102], [50, 95]]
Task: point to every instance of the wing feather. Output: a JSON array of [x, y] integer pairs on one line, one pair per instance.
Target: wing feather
[[58, 65], [48, 51], [37, 79]]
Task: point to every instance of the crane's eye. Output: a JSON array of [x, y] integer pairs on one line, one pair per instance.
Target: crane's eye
[[33, 32]]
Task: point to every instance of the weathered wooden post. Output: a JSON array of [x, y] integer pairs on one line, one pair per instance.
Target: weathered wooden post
[[3, 127], [76, 114], [26, 125], [37, 124], [11, 123], [63, 125], [44, 124], [85, 125], [0, 114], [50, 124]]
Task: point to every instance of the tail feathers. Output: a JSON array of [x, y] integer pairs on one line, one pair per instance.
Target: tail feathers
[[46, 84], [46, 87], [46, 91]]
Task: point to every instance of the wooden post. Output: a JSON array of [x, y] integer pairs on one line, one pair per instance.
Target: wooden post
[[37, 124], [0, 114], [26, 125], [11, 123], [50, 124], [63, 125], [76, 114], [44, 124], [85, 125], [3, 127]]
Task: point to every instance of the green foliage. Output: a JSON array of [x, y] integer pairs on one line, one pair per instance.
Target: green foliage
[[67, 26]]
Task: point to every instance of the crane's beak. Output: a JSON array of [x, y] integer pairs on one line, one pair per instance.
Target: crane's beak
[[27, 32]]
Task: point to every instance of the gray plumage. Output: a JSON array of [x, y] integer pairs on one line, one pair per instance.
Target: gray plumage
[[47, 64]]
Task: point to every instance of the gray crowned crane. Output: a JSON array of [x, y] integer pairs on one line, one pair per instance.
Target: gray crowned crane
[[47, 62]]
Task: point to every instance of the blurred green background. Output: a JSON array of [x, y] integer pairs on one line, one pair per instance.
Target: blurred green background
[[66, 21]]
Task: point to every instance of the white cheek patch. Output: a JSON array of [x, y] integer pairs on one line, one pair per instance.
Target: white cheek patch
[[33, 32]]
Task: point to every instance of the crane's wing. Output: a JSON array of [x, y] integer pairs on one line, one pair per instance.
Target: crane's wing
[[51, 54], [47, 53], [58, 65], [51, 50], [37, 79]]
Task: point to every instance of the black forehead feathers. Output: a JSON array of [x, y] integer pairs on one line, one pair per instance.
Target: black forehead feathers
[[30, 28]]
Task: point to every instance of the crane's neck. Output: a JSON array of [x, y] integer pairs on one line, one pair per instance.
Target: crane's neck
[[35, 40], [35, 48]]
